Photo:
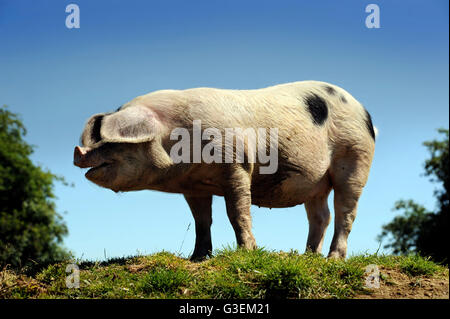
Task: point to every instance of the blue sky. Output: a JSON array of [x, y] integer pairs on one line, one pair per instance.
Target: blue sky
[[55, 78]]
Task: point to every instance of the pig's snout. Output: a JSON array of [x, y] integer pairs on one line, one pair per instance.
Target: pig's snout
[[79, 157]]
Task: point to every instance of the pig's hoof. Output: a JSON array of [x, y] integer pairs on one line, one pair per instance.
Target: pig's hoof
[[335, 255], [201, 255], [198, 258]]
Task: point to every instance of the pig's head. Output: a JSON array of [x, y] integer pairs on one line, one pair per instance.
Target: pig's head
[[121, 149]]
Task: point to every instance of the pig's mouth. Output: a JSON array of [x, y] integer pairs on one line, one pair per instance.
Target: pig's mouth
[[98, 167], [84, 157]]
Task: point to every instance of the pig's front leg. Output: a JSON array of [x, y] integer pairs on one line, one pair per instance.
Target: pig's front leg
[[238, 201], [201, 210]]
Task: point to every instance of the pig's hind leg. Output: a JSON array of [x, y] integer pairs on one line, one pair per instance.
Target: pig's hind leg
[[349, 175]]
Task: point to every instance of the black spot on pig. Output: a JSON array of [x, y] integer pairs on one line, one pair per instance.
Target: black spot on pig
[[95, 133], [369, 124], [317, 107], [330, 90]]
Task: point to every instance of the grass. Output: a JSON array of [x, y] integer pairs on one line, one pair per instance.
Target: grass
[[230, 273]]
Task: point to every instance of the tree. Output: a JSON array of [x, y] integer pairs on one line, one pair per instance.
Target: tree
[[31, 231], [418, 230]]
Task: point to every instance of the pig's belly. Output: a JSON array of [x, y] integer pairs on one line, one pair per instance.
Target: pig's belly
[[282, 189], [285, 191]]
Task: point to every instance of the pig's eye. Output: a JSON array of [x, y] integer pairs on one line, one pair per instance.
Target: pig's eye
[[95, 133]]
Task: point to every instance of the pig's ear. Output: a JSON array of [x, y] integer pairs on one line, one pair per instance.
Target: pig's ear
[[135, 124], [91, 132]]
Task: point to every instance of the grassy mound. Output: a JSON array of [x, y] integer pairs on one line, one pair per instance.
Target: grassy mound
[[230, 273]]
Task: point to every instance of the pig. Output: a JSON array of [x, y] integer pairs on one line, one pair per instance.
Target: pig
[[325, 140]]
